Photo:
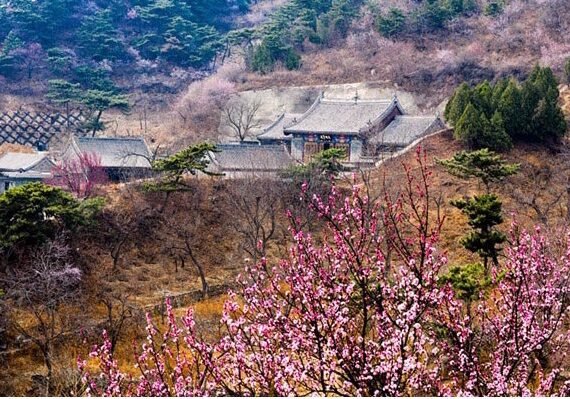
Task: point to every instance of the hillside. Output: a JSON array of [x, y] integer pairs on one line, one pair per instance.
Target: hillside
[[149, 67], [101, 247]]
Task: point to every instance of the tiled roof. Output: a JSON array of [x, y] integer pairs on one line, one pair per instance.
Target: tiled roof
[[404, 129], [15, 161], [341, 116], [116, 152], [246, 157], [29, 174], [37, 129], [275, 130]]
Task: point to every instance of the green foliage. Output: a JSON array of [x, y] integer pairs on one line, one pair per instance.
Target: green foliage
[[494, 8], [191, 160], [483, 213], [60, 60], [567, 71], [11, 42], [33, 213], [429, 16], [63, 92], [98, 38], [476, 131], [458, 103], [468, 281], [392, 23], [325, 164], [482, 164], [97, 102], [179, 32], [486, 115], [284, 35], [432, 16]]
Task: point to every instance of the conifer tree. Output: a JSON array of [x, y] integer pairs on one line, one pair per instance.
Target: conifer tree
[[509, 106], [484, 214], [458, 103], [99, 39], [484, 165], [482, 98]]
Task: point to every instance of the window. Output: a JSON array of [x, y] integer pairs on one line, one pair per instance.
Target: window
[[7, 185]]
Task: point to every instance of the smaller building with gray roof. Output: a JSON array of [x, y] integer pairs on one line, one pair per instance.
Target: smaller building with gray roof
[[240, 160], [20, 168], [121, 157]]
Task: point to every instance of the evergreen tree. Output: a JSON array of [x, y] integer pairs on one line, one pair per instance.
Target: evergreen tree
[[97, 102], [493, 135], [484, 165], [458, 103], [64, 93], [484, 214], [470, 126], [482, 98], [498, 91], [173, 169], [33, 213], [262, 61], [391, 24], [99, 39], [509, 106]]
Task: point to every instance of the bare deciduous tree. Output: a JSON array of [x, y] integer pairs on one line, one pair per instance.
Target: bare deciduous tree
[[118, 312], [183, 231], [44, 289], [241, 117], [257, 203]]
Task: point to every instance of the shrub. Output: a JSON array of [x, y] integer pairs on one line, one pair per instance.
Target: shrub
[[391, 24], [493, 8]]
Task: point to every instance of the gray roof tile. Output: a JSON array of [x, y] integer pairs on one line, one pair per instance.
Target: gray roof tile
[[246, 157], [341, 116], [116, 152], [15, 161], [275, 130], [404, 129]]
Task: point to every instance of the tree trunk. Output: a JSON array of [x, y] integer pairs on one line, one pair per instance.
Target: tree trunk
[[200, 268], [49, 366]]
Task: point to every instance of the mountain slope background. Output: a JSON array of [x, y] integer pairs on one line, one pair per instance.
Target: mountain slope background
[[179, 61]]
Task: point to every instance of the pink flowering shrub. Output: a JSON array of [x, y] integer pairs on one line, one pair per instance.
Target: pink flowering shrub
[[80, 176], [360, 311]]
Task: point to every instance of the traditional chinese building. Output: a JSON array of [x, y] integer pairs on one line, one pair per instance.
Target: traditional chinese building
[[20, 168], [363, 128], [122, 158]]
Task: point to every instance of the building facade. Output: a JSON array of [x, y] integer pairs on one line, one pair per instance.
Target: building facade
[[364, 129]]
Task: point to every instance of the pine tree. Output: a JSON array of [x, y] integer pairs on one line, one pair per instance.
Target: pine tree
[[484, 214], [483, 164], [470, 126], [458, 103], [509, 106], [494, 135], [99, 39], [482, 98], [391, 24]]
